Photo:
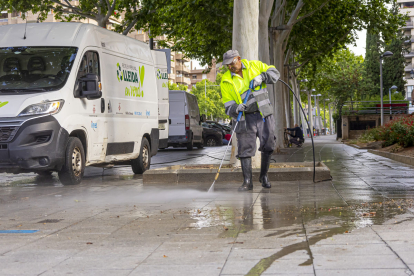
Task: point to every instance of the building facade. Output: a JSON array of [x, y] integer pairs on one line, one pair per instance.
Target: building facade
[[198, 75], [407, 7]]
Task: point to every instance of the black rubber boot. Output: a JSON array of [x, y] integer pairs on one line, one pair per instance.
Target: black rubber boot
[[246, 164], [264, 168]]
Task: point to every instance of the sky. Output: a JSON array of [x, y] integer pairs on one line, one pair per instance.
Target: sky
[[359, 49]]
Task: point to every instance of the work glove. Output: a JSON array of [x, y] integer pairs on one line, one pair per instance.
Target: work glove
[[242, 107], [257, 81]]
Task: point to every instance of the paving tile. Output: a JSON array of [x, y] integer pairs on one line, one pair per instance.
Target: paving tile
[[363, 272]]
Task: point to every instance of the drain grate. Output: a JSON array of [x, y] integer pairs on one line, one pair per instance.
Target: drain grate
[[50, 221]]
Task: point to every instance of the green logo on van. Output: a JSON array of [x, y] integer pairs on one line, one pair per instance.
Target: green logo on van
[[3, 104], [119, 73], [133, 74], [161, 75]]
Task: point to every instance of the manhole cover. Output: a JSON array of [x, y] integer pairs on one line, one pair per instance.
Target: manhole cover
[[50, 221]]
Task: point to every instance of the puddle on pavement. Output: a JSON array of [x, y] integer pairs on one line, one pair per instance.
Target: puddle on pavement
[[319, 223], [324, 223], [34, 181]]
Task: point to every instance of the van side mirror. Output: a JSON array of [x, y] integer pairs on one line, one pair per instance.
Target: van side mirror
[[203, 118], [88, 87]]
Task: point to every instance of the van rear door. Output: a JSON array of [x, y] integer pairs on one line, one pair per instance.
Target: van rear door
[[177, 113]]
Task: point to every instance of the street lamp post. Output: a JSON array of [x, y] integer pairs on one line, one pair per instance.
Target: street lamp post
[[386, 54], [389, 92]]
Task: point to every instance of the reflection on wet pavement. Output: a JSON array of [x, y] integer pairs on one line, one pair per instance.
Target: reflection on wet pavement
[[360, 223]]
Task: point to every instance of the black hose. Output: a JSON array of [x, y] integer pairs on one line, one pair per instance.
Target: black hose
[[310, 131]]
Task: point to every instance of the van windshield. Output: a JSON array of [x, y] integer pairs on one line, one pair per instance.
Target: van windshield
[[35, 69]]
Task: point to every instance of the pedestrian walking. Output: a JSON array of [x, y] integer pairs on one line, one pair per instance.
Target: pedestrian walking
[[257, 119]]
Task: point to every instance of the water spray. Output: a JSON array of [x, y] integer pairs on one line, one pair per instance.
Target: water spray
[[238, 119]]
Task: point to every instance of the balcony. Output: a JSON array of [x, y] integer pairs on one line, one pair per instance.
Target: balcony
[[194, 81], [171, 76], [408, 25], [183, 80], [407, 10], [409, 55], [172, 64], [181, 57], [183, 68]]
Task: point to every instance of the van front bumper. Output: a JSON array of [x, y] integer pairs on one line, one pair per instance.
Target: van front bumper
[[31, 144]]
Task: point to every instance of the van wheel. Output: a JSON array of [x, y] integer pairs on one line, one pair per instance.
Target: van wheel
[[201, 145], [74, 167], [143, 161], [190, 144]]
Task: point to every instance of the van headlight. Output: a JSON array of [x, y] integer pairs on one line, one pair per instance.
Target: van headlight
[[52, 107]]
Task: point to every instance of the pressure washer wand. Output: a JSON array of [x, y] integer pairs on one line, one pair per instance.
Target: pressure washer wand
[[231, 137]]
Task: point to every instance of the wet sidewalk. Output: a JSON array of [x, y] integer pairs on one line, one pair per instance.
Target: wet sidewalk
[[360, 223]]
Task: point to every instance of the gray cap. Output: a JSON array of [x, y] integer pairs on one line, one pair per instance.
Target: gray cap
[[229, 56]]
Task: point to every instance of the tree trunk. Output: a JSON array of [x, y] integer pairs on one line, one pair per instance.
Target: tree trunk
[[245, 40]]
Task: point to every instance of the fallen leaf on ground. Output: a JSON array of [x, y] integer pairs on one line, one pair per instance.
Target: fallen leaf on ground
[[165, 256], [89, 243]]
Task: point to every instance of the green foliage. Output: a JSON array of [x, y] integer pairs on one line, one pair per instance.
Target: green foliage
[[220, 74], [179, 86], [65, 11], [200, 29], [398, 131], [339, 78], [209, 98], [372, 63], [330, 28], [393, 68]]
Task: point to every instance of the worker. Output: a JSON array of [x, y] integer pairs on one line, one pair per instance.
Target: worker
[[257, 120], [297, 137]]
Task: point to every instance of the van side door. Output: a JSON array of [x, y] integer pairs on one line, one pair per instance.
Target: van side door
[[94, 121]]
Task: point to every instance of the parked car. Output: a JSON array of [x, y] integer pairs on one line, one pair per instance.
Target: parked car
[[185, 121], [226, 130], [211, 136]]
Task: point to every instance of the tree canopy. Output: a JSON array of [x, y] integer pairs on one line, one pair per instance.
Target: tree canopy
[[209, 99]]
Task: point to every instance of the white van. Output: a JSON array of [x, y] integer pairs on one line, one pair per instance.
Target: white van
[[185, 121], [160, 63], [74, 95]]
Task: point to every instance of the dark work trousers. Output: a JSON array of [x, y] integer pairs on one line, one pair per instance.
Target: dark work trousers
[[255, 127], [295, 141]]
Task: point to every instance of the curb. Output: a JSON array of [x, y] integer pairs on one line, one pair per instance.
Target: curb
[[178, 175], [393, 156]]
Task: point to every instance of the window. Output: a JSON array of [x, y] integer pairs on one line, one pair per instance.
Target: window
[[194, 77], [35, 69], [89, 65], [204, 76]]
